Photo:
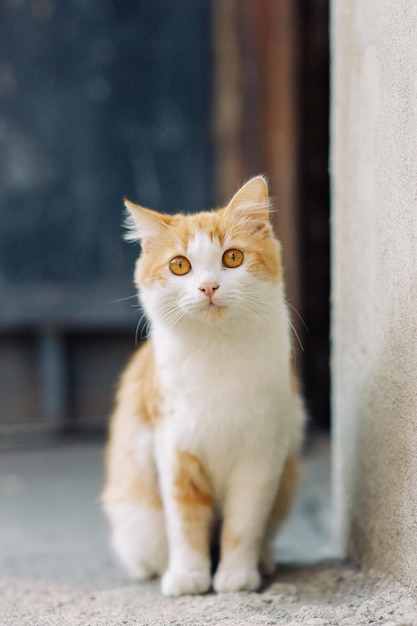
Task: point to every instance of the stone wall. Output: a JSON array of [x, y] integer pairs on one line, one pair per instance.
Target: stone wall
[[374, 299]]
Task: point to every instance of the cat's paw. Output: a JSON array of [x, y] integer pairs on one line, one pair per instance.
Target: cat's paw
[[238, 579], [183, 582]]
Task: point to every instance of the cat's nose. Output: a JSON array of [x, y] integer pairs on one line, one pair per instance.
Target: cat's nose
[[209, 288]]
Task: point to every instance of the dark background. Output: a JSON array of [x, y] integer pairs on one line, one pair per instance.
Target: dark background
[[101, 100]]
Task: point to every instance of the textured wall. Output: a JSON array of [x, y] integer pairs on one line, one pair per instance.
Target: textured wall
[[374, 185]]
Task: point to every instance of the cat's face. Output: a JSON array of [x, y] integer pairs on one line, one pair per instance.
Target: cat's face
[[211, 265]]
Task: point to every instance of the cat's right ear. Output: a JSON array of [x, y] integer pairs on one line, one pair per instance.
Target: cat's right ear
[[251, 202], [143, 224]]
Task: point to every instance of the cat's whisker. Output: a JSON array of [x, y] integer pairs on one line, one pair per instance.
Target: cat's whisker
[[296, 335], [137, 333], [147, 329], [258, 317], [171, 314], [292, 307], [142, 330], [122, 299]]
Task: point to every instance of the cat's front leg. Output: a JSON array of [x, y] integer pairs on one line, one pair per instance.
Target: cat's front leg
[[188, 508], [251, 491]]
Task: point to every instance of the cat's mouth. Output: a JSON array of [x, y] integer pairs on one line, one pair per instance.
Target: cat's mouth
[[206, 309], [216, 310], [211, 309]]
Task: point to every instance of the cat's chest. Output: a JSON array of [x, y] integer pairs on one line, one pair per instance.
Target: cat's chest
[[218, 368], [219, 388]]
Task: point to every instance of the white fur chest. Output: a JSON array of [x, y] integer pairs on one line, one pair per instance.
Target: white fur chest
[[227, 393]]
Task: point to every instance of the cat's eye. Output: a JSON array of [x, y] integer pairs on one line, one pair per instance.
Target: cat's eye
[[180, 265], [233, 258]]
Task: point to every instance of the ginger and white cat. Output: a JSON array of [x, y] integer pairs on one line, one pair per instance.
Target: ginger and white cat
[[208, 422]]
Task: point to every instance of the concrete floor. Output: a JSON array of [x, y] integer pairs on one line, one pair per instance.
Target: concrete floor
[[56, 567]]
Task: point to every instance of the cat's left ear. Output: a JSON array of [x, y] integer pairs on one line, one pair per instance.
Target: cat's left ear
[[144, 224], [251, 202]]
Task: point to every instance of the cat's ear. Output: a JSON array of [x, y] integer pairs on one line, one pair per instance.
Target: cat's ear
[[251, 202], [143, 224]]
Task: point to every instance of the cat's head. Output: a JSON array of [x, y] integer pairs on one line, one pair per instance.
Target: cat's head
[[207, 266]]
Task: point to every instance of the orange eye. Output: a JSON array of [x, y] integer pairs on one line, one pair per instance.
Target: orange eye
[[232, 258], [180, 265]]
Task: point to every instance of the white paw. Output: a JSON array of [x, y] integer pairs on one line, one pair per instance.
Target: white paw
[[238, 579], [182, 582]]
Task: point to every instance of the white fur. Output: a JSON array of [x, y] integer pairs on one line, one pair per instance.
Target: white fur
[[229, 401], [139, 538]]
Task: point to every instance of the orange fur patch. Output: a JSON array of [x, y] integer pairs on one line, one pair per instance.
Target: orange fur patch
[[191, 483], [280, 509], [286, 492], [138, 406], [193, 495], [139, 390]]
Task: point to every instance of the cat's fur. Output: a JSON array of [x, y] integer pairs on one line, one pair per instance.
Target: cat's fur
[[208, 420]]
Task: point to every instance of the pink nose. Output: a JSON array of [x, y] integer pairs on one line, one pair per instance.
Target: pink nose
[[209, 289]]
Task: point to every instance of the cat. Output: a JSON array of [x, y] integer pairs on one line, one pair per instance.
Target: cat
[[204, 440]]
